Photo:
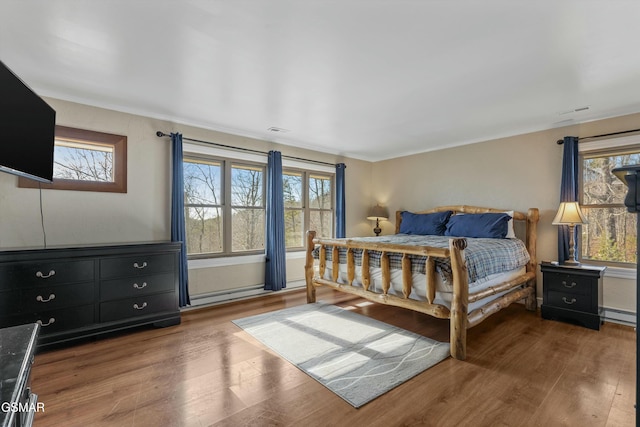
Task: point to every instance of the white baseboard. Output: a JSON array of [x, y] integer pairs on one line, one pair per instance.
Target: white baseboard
[[198, 301], [213, 298], [613, 315], [619, 316]]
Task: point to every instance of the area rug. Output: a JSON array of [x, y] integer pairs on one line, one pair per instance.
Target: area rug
[[354, 356]]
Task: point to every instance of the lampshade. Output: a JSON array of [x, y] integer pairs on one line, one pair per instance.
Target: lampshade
[[378, 212], [569, 213]]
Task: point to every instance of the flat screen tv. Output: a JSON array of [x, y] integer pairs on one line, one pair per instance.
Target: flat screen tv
[[27, 128]]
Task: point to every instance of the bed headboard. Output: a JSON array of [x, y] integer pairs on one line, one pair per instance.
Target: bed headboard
[[530, 219]]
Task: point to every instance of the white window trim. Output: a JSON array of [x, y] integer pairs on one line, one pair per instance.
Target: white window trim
[[212, 150], [195, 264], [585, 147], [621, 273], [605, 144]]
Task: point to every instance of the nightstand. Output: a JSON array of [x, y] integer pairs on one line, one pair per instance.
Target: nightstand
[[572, 293]]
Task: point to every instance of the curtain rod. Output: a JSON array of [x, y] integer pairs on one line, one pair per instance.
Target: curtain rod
[[161, 134], [560, 141]]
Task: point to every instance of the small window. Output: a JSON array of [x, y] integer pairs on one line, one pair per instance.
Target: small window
[[86, 161]]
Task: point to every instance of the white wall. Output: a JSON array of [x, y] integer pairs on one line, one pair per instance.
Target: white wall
[[73, 218]]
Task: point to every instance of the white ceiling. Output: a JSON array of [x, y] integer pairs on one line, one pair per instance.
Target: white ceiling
[[368, 79]]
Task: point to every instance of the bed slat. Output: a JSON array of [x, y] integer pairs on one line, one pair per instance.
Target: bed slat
[[430, 273], [407, 279], [366, 278], [386, 272], [335, 259], [351, 266]]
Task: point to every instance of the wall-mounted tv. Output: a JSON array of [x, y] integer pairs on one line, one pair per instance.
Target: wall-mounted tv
[[27, 127]]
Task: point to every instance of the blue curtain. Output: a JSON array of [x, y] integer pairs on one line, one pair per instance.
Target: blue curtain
[[178, 232], [275, 277], [568, 192], [340, 201]]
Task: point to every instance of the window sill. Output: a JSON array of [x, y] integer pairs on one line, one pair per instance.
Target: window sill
[[236, 260], [621, 273]]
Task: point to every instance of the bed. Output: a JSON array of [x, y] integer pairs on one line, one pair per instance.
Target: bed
[[461, 263]]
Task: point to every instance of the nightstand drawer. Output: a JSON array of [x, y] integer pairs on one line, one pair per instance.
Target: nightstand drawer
[[570, 301], [144, 264], [136, 286], [140, 306], [568, 283]]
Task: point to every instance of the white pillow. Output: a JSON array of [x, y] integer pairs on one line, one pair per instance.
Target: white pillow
[[511, 234]]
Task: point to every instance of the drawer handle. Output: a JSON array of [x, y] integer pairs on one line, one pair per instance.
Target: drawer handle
[[140, 307], [40, 298], [572, 285], [41, 275], [51, 321], [140, 266], [566, 301], [144, 285]]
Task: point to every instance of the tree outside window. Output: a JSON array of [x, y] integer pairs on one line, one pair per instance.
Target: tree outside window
[[224, 206], [610, 235], [86, 160], [320, 205]]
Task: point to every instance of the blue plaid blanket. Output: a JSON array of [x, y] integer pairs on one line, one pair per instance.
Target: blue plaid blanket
[[483, 256]]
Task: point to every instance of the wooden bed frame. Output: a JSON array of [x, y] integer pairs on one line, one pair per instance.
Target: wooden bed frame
[[460, 320]]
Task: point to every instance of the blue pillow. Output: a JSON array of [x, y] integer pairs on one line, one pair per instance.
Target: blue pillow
[[431, 223], [491, 225]]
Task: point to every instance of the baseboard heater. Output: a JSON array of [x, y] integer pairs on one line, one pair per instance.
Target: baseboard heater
[[236, 294]]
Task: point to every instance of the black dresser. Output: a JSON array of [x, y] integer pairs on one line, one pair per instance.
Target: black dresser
[[18, 405], [81, 292]]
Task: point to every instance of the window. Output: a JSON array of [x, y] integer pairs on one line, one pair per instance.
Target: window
[[86, 161], [610, 235], [308, 205], [224, 206]]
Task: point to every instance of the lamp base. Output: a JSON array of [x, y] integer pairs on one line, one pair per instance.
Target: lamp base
[[572, 263], [377, 230]]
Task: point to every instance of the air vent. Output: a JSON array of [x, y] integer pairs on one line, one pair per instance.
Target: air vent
[[575, 110], [277, 129]]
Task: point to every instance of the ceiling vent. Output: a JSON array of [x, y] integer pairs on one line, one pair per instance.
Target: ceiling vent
[[277, 130], [575, 110]]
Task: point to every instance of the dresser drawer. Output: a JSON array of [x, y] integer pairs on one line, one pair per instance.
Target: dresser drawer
[[570, 301], [8, 304], [145, 264], [569, 283], [140, 306], [128, 287], [53, 297], [52, 321], [36, 273]]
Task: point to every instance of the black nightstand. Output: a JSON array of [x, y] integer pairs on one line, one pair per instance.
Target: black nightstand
[[572, 293]]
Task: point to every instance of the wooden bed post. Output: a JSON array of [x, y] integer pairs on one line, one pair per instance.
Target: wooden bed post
[[460, 301], [308, 267], [533, 216]]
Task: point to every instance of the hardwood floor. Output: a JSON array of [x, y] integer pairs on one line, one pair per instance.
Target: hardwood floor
[[521, 370]]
